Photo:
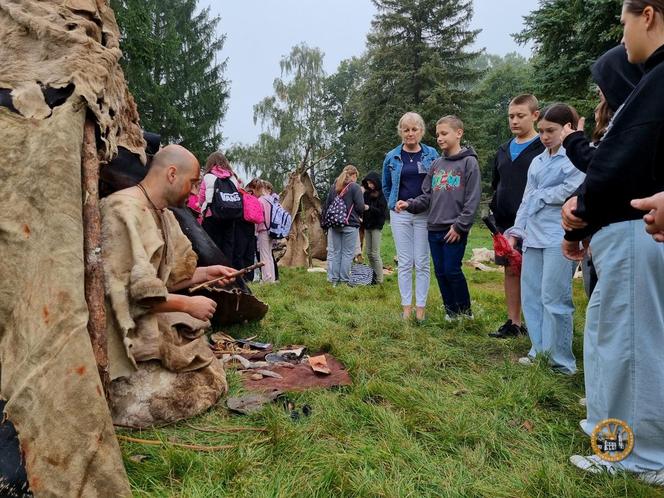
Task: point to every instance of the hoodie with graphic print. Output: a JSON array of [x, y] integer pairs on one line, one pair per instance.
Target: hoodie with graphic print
[[451, 192]]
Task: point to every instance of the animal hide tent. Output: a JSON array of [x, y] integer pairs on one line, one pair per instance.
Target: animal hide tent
[[59, 65], [307, 239]]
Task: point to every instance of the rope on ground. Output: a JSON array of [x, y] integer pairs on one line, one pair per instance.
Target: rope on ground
[[224, 430], [194, 447]]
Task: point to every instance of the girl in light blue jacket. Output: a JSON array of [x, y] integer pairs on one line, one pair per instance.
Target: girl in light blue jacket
[[546, 275]]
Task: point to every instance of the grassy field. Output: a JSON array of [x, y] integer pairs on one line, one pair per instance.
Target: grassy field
[[436, 409]]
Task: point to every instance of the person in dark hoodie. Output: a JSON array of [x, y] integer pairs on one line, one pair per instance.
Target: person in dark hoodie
[[629, 324], [373, 221], [451, 194], [546, 276], [615, 77], [510, 173]]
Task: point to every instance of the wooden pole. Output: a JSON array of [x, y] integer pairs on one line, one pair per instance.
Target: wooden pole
[[94, 272]]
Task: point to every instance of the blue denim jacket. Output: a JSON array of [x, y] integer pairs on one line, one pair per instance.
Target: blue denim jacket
[[392, 171], [551, 180]]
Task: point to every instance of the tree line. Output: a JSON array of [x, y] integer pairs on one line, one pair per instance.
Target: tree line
[[419, 56]]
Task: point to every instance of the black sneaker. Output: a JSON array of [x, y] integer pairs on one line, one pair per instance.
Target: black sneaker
[[523, 329], [507, 330]]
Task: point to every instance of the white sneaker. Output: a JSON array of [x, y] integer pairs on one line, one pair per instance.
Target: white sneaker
[[526, 361], [655, 477], [593, 464], [583, 402]]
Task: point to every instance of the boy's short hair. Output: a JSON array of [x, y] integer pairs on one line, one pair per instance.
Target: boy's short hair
[[451, 120], [526, 99]]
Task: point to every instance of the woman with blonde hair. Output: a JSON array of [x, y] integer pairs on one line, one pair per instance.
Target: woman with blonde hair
[[346, 200], [404, 170]]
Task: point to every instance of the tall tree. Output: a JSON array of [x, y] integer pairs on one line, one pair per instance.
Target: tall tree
[[487, 125], [568, 36], [419, 60], [171, 61], [343, 105], [293, 121]]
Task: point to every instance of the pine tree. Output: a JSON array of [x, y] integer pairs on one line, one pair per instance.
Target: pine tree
[[419, 60], [170, 59], [568, 37]]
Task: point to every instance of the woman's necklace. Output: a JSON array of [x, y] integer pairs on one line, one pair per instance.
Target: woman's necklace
[[142, 189], [411, 156]]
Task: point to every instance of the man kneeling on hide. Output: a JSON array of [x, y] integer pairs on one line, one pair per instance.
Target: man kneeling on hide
[[161, 367]]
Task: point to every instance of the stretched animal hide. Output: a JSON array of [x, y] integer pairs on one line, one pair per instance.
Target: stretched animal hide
[[59, 65], [307, 239]]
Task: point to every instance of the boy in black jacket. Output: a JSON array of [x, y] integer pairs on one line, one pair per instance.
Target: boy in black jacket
[[373, 221], [510, 173]]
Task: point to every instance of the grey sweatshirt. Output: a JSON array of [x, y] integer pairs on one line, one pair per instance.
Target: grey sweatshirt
[[451, 192]]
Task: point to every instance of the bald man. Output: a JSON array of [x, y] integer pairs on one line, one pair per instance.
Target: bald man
[[161, 367]]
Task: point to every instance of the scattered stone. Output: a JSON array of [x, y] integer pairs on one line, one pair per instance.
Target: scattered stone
[[251, 403]]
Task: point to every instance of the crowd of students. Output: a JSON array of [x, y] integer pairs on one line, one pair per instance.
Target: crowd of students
[[237, 218], [557, 197]]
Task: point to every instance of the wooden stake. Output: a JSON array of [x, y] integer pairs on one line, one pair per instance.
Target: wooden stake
[[94, 273], [235, 274]]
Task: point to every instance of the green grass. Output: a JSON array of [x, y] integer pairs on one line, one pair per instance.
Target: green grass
[[434, 410]]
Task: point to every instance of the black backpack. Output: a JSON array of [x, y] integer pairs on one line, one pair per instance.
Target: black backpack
[[226, 201], [336, 214]]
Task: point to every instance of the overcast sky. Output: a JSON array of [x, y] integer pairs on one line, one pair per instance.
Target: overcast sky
[[260, 32]]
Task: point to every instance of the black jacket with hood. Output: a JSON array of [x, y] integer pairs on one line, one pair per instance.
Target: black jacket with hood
[[629, 161], [374, 217], [616, 77], [509, 181]]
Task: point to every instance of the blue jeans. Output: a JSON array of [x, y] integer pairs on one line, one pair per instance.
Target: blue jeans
[[546, 299], [340, 253], [624, 337], [447, 259], [410, 238]]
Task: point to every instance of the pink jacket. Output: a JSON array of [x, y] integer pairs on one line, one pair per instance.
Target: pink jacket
[[207, 187]]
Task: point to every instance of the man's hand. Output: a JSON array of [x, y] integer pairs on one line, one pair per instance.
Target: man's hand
[[401, 206], [452, 236], [655, 217], [570, 220], [197, 306], [575, 250], [568, 129], [200, 307], [218, 271]]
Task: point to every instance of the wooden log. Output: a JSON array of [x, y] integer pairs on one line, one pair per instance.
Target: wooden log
[[94, 272]]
